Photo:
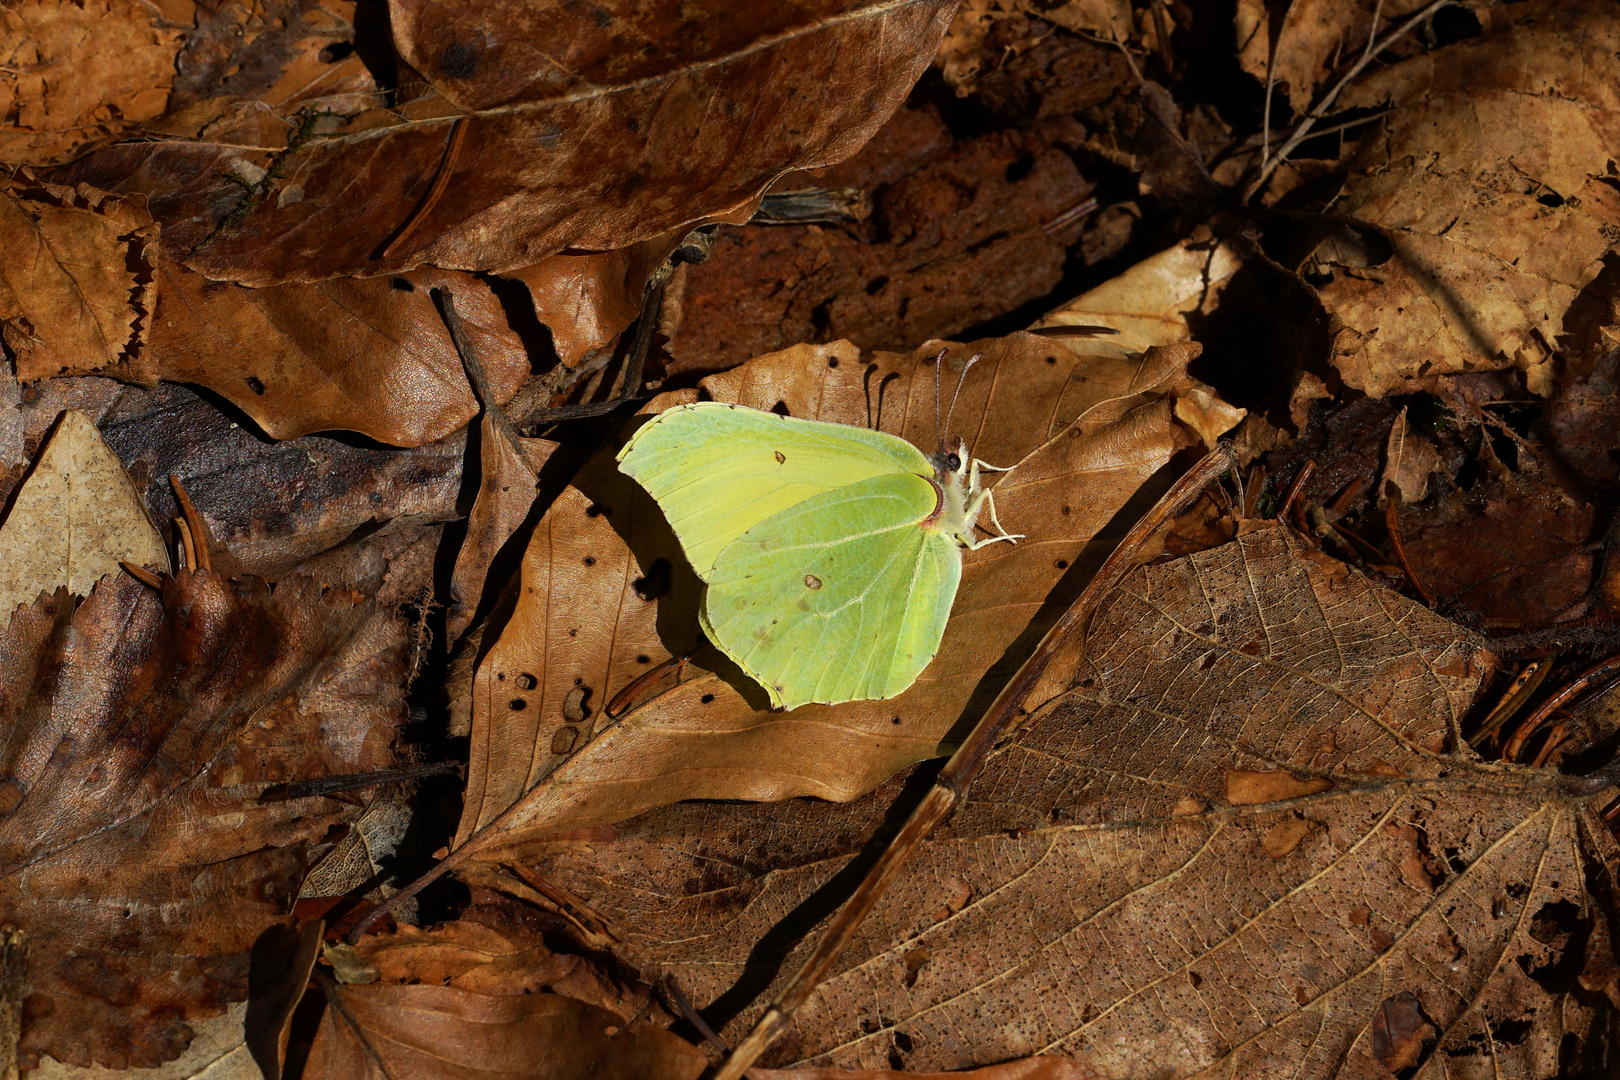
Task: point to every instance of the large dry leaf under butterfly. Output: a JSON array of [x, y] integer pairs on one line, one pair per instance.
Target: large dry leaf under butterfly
[[502, 147], [1105, 425], [137, 732], [1244, 842]]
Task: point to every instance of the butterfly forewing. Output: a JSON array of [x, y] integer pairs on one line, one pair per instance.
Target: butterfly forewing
[[717, 470], [841, 597]]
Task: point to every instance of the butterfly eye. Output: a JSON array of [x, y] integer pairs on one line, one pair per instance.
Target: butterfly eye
[[953, 462]]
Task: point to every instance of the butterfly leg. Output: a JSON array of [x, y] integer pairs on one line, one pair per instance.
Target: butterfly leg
[[983, 497]]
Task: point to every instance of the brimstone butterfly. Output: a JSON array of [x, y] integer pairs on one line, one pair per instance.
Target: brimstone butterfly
[[830, 554]]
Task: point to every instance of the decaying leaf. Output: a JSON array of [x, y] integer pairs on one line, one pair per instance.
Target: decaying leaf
[[1409, 461], [51, 104], [1248, 828], [963, 56], [138, 731], [1035, 1068], [1296, 49], [1106, 425], [73, 520], [1484, 201], [361, 355], [73, 288], [392, 1032], [512, 147]]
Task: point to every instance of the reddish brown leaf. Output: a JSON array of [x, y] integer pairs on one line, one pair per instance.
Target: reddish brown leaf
[[138, 732], [517, 144], [371, 356], [442, 1033]]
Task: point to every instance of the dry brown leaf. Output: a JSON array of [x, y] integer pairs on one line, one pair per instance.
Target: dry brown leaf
[[1100, 896], [1149, 304], [1409, 461], [1085, 432], [594, 135], [587, 300], [73, 74], [443, 1033], [1483, 199], [218, 1051], [1315, 37], [369, 355], [138, 732], [74, 289], [466, 955], [73, 520], [962, 55]]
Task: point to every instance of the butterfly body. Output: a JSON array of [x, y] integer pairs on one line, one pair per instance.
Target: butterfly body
[[831, 554]]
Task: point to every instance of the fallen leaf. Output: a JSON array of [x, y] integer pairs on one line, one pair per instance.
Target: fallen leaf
[[74, 519], [1149, 303], [1484, 193], [276, 505], [442, 1033], [74, 290], [1103, 426], [368, 355], [466, 955], [1515, 547], [1034, 1068], [1409, 461], [217, 1052], [50, 108], [964, 56], [140, 731], [588, 299], [1074, 906], [603, 137]]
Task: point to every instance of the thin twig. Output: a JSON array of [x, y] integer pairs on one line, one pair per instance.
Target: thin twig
[[1393, 525], [1608, 669], [952, 784], [1320, 109], [446, 303], [1295, 488], [447, 164]]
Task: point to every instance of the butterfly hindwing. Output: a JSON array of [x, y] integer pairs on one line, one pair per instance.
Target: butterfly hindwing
[[840, 597], [717, 470]]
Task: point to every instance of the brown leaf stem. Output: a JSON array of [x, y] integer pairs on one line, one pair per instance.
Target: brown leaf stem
[[142, 575], [198, 553], [1513, 698], [951, 786], [1393, 525], [445, 301], [1607, 671]]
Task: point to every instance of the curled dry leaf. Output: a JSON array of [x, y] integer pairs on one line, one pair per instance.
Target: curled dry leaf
[[1097, 429], [73, 520], [1248, 830], [509, 151], [138, 731], [366, 355], [49, 108], [1481, 206], [385, 1032], [1148, 304], [74, 287]]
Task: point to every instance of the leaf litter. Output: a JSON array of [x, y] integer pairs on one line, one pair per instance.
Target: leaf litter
[[1264, 815]]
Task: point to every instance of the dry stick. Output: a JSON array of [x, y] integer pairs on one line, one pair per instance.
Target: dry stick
[[1513, 698], [951, 786], [446, 303], [1294, 489], [1321, 108], [1392, 524], [1603, 669]]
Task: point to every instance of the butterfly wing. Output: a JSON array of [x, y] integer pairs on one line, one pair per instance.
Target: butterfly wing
[[717, 470], [842, 597]]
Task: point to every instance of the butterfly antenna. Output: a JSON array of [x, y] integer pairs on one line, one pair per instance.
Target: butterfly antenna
[[939, 360], [962, 378]]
